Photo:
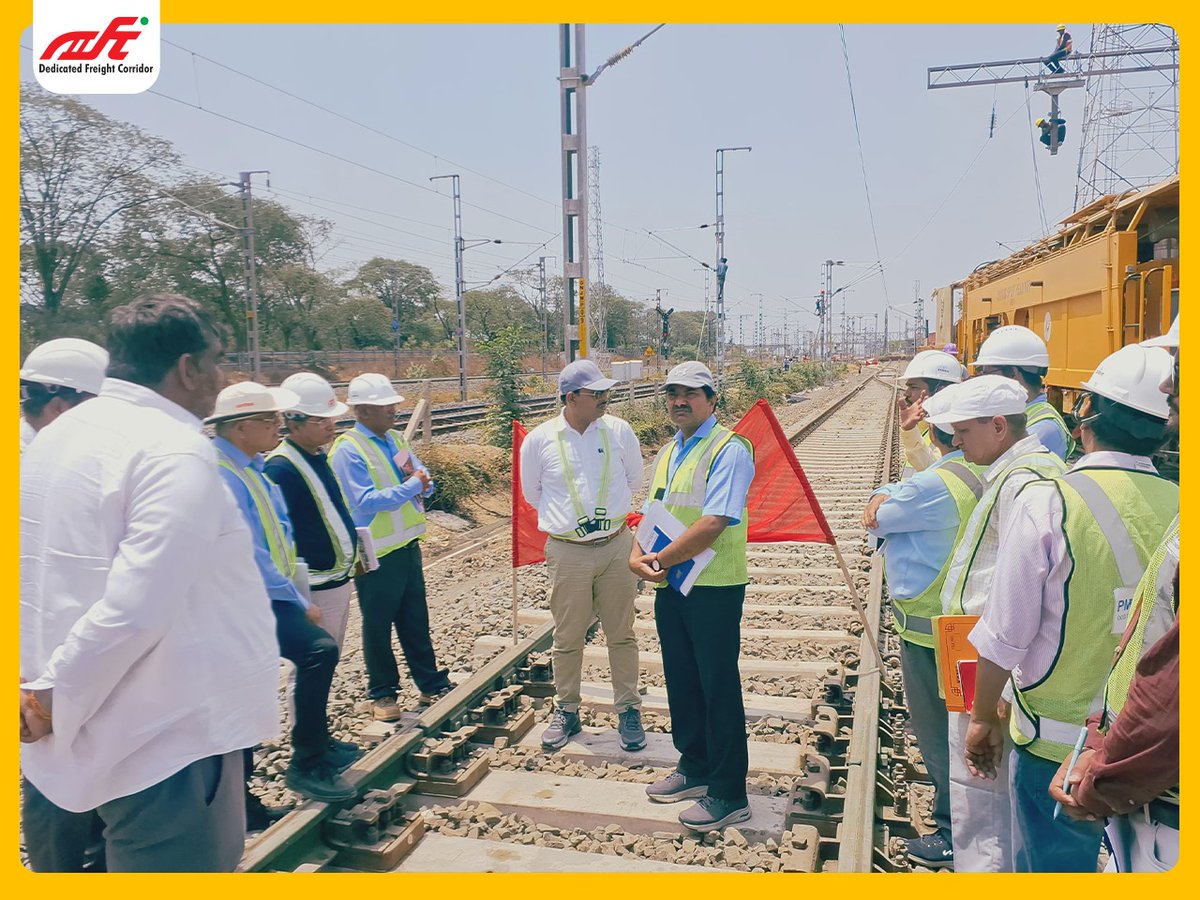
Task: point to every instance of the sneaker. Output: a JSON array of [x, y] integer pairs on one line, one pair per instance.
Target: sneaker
[[713, 813], [932, 851], [342, 754], [259, 816], [562, 726], [428, 698], [320, 782], [385, 709], [629, 729], [677, 786]]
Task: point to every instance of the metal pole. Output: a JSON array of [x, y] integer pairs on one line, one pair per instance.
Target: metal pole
[[573, 115], [545, 312], [459, 287], [720, 265], [251, 275]]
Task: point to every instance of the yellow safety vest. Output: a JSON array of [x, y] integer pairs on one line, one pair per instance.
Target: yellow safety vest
[[393, 528], [1041, 411], [1112, 521], [339, 537], [282, 547], [684, 498]]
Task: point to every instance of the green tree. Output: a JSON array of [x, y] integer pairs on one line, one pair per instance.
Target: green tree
[[409, 291], [504, 352], [354, 322], [492, 310]]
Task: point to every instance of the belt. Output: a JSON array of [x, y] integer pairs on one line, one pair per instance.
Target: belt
[[1164, 813], [598, 542]]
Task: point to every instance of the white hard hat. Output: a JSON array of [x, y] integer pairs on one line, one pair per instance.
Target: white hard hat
[[977, 398], [372, 389], [1132, 376], [690, 374], [249, 398], [1170, 339], [316, 395], [934, 364], [67, 362], [1013, 345]]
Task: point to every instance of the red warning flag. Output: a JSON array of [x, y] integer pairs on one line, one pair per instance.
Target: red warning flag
[[528, 544], [782, 505]]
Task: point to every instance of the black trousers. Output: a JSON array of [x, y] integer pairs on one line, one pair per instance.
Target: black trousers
[[393, 597], [700, 635], [1054, 61], [315, 654]]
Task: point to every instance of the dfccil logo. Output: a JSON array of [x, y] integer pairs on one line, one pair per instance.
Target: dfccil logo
[[96, 46]]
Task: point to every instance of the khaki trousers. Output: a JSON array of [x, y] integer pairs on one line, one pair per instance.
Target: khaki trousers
[[586, 583]]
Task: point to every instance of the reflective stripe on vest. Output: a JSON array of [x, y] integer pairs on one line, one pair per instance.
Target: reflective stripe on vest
[[1041, 411], [914, 616], [339, 537], [1153, 620], [1108, 552], [392, 528], [1043, 464], [283, 549], [684, 498], [581, 516]]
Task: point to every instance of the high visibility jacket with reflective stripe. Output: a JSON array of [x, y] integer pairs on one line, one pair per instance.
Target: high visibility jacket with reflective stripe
[[393, 528], [1040, 411], [684, 498], [1044, 464], [282, 547], [340, 539], [1154, 619], [914, 615], [1113, 519], [601, 508]]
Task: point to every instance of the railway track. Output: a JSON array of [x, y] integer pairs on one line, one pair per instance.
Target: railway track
[[465, 785]]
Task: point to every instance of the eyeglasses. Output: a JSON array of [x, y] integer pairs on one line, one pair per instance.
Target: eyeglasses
[[590, 393], [273, 418], [300, 418]]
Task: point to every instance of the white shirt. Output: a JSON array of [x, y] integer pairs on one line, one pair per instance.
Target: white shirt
[[983, 564], [140, 602], [544, 483], [1023, 616], [28, 433]]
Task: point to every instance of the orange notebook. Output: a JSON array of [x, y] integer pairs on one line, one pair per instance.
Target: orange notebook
[[951, 648]]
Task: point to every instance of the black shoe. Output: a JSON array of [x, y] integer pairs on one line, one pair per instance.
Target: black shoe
[[259, 816], [932, 851], [319, 782], [343, 754]]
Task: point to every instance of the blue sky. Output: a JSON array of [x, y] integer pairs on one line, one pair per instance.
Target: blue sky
[[482, 101]]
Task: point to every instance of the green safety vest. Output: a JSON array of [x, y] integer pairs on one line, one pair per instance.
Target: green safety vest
[[393, 528], [282, 547], [339, 537], [914, 615], [1112, 521], [1040, 411], [1042, 463], [581, 517], [1152, 622], [684, 498]]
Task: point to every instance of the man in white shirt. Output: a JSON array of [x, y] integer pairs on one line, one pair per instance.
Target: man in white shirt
[[987, 414], [55, 377], [580, 471], [148, 651]]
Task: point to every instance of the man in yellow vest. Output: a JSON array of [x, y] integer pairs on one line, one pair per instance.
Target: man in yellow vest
[[919, 521], [1129, 771], [246, 418], [580, 471], [1075, 548], [987, 414], [927, 373], [384, 484], [703, 478]]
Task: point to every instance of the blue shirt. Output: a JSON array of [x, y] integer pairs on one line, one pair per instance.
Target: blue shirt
[[918, 523], [1048, 432], [363, 498], [729, 478], [279, 586]]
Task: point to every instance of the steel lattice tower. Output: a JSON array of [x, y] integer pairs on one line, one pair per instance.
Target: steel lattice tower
[[598, 317], [1130, 136]]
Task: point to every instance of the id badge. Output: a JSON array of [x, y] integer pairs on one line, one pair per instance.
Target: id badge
[[1122, 606]]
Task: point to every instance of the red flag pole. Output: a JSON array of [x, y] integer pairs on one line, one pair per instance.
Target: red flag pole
[[858, 606], [517, 435]]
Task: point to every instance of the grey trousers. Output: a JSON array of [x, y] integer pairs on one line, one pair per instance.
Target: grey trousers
[[929, 719], [192, 821]]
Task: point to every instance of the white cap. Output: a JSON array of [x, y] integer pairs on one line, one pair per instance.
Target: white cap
[[934, 364], [1013, 345], [67, 362], [1132, 376], [691, 374], [249, 398], [1170, 339], [583, 373], [372, 389], [978, 398], [316, 395]]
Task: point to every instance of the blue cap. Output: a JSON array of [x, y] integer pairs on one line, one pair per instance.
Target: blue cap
[[583, 373]]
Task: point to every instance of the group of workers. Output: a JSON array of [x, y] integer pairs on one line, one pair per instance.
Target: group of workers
[[1071, 568], [164, 574]]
